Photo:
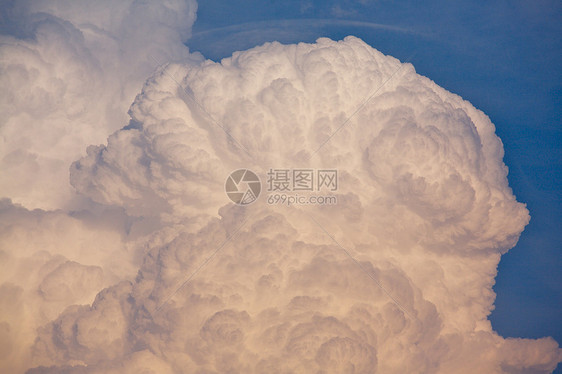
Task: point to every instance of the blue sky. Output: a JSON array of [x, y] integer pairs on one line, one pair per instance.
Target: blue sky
[[502, 56]]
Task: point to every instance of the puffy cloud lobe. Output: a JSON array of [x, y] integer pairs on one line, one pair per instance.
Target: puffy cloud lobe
[[50, 260], [93, 334], [424, 207], [69, 279], [205, 325], [437, 156], [280, 313], [68, 77], [169, 170], [69, 71]]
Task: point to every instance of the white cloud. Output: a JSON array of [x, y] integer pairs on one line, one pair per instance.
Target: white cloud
[[50, 260], [69, 72], [425, 208]]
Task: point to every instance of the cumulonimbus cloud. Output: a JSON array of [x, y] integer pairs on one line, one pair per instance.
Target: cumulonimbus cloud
[[397, 277]]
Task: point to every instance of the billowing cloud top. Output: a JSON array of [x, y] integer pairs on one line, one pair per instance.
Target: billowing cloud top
[[396, 278]]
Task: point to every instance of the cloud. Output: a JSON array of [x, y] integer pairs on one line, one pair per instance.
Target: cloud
[[69, 71], [424, 209], [50, 260], [149, 268]]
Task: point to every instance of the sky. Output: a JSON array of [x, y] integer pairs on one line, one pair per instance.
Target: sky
[[121, 121]]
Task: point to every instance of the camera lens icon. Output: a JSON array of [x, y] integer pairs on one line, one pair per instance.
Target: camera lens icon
[[242, 187]]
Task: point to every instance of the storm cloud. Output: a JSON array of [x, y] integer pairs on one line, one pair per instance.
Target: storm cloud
[[396, 277]]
